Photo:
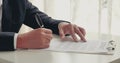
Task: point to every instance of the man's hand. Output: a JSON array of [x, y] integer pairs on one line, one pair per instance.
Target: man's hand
[[68, 28], [38, 38]]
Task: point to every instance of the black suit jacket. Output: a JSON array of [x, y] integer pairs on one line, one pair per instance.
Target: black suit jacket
[[18, 12]]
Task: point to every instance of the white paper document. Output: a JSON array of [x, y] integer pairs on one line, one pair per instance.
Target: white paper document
[[92, 47], [116, 61], [5, 61]]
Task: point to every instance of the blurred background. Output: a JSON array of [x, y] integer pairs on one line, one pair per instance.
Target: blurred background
[[100, 18]]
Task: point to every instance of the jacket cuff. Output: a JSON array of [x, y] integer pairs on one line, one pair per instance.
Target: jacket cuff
[[7, 41]]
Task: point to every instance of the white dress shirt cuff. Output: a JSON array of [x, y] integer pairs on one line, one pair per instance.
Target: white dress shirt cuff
[[15, 40]]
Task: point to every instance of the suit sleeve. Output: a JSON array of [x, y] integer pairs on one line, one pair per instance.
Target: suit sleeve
[[6, 41], [47, 21]]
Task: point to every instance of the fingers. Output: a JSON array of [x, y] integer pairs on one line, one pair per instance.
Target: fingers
[[74, 37], [81, 33], [45, 43], [48, 36], [48, 31], [73, 33]]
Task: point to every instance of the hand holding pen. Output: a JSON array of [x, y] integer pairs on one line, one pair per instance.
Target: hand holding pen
[[37, 38]]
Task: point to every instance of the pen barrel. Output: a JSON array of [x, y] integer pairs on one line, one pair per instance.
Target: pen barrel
[[39, 20]]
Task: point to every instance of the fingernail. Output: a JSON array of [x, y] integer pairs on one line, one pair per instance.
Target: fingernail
[[62, 37], [85, 40]]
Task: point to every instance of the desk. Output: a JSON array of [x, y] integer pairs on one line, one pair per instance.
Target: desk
[[39, 56]]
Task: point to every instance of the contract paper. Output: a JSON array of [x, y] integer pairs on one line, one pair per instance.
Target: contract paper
[[91, 46]]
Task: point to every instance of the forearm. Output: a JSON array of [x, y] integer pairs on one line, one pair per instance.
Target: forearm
[[47, 21]]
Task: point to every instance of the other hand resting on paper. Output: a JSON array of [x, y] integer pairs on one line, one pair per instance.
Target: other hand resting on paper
[[71, 29]]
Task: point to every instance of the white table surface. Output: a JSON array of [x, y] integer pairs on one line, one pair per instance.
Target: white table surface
[[39, 56]]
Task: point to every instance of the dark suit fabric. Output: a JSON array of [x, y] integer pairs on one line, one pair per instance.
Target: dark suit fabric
[[18, 12]]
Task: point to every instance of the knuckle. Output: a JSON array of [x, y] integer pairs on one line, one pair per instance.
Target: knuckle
[[39, 30], [42, 33], [75, 25], [50, 31], [83, 29], [50, 35]]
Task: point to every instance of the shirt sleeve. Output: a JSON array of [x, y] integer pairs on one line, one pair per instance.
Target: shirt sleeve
[[15, 40]]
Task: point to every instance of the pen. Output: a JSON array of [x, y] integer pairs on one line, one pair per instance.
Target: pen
[[39, 20]]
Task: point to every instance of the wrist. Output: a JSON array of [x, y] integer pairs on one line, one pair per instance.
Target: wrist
[[19, 41]]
